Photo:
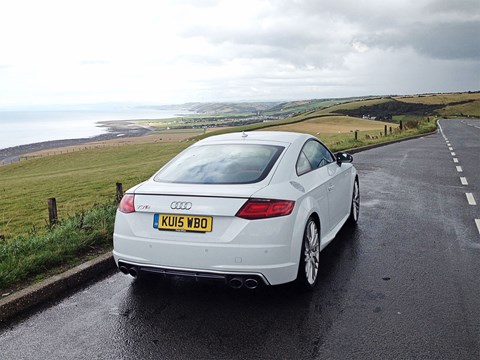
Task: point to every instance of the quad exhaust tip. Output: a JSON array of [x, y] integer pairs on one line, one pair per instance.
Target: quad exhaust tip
[[133, 272], [128, 270], [251, 284], [238, 282]]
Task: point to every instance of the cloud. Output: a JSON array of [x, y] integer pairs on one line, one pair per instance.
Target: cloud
[[94, 62], [307, 32], [188, 50], [448, 41], [439, 41], [467, 8]]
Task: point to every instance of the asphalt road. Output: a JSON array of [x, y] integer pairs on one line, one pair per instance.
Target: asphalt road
[[405, 284]]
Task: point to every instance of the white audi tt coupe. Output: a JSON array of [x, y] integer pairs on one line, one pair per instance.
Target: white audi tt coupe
[[249, 209]]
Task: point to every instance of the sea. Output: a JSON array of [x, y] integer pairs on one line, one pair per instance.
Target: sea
[[28, 127]]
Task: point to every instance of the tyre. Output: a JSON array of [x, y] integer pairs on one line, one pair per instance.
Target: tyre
[[355, 205], [307, 276]]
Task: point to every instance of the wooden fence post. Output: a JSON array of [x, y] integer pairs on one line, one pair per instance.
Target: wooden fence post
[[356, 135], [385, 130], [119, 192], [52, 212]]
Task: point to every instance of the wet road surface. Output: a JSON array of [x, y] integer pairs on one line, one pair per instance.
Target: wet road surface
[[405, 284]]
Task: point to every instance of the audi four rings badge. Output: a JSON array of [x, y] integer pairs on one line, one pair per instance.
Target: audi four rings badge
[[181, 205]]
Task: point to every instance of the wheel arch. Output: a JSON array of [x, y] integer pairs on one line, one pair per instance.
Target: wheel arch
[[305, 212]]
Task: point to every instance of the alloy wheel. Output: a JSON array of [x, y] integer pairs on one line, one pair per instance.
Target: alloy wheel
[[312, 252]]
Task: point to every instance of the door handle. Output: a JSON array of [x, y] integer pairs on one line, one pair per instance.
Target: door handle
[[331, 187]]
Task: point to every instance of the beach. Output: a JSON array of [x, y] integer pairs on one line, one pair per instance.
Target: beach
[[115, 130]]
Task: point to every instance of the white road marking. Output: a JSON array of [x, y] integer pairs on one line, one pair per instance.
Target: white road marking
[[441, 130], [470, 199], [450, 148], [477, 221], [453, 154], [459, 169], [463, 180], [455, 160]]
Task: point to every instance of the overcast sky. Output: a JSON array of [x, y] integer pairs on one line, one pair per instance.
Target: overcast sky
[[163, 52]]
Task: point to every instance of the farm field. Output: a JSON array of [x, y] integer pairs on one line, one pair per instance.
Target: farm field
[[453, 103], [338, 132], [333, 125], [78, 180]]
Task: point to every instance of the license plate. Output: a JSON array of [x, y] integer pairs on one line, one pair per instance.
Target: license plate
[[182, 223]]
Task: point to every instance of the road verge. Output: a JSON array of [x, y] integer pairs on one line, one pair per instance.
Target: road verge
[[54, 286]]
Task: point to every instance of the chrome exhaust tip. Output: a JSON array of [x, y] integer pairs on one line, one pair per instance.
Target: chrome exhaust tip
[[133, 272], [251, 284], [124, 269], [236, 283]]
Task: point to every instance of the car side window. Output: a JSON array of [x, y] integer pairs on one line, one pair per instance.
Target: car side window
[[313, 155], [303, 165]]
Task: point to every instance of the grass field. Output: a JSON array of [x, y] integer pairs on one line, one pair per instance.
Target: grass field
[[352, 105], [77, 180], [337, 131], [469, 109], [443, 99], [451, 109], [333, 125]]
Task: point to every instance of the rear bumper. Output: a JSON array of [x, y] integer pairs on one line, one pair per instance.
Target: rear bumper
[[266, 273]]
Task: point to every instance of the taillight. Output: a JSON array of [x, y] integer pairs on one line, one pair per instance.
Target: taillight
[[265, 208], [127, 205]]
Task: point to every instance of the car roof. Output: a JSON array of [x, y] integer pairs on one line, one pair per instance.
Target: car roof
[[267, 136]]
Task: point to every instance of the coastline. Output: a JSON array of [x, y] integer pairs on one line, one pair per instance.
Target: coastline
[[115, 129]]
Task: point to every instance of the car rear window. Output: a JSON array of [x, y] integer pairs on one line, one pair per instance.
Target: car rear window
[[221, 164]]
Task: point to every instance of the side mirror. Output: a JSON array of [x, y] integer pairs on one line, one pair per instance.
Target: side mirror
[[343, 158]]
